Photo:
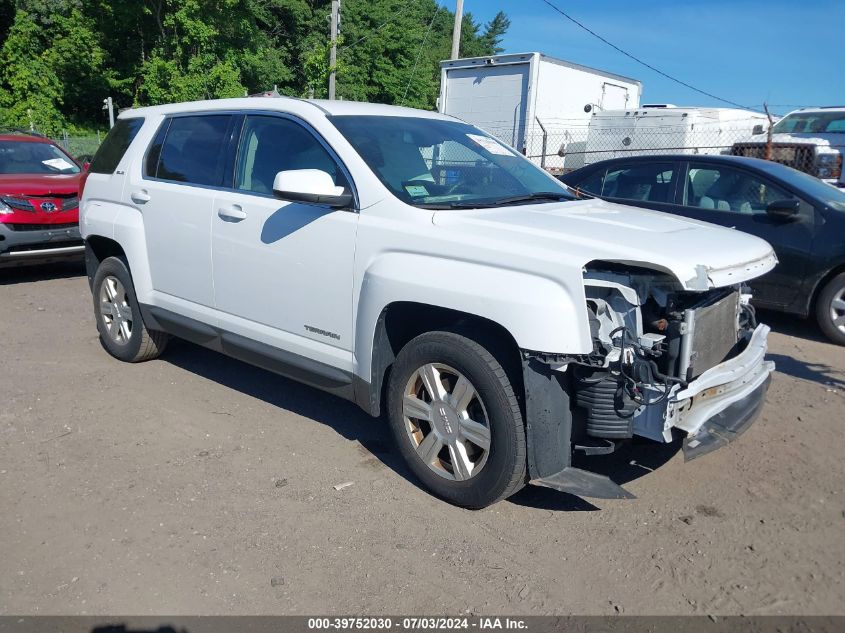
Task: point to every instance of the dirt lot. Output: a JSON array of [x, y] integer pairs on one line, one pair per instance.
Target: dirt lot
[[196, 484]]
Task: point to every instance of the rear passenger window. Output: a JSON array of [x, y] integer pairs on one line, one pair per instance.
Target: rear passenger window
[[652, 182], [114, 146], [273, 144], [194, 150]]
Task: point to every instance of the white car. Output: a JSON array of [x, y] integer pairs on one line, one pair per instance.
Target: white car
[[811, 140], [415, 265]]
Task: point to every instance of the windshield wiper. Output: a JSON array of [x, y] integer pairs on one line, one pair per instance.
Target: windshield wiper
[[538, 195], [486, 204]]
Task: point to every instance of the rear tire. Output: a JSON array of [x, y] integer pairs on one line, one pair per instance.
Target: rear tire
[[466, 444], [830, 309], [118, 315]]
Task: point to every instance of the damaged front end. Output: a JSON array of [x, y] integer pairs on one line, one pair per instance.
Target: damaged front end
[[665, 360]]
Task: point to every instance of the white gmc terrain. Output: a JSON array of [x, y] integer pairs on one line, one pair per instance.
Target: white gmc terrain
[[413, 264]]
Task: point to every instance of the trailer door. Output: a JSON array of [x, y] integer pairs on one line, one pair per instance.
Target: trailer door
[[493, 98], [613, 97]]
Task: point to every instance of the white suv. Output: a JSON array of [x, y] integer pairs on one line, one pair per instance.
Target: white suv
[[415, 265]]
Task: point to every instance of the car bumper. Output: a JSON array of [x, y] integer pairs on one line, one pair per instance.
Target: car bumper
[[19, 247], [715, 408]]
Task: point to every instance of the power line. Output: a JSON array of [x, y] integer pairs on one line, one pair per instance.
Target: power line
[[640, 61], [420, 50]]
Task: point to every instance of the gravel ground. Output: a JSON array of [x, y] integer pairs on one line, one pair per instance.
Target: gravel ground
[[196, 484]]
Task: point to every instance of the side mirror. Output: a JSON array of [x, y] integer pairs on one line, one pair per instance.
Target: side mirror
[[312, 186], [757, 129], [86, 165], [784, 209]]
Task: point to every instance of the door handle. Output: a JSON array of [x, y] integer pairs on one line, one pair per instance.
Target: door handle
[[140, 197], [232, 213]]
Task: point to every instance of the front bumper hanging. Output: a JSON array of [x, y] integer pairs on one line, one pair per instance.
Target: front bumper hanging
[[715, 408]]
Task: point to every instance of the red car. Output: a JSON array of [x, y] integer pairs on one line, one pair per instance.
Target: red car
[[39, 201]]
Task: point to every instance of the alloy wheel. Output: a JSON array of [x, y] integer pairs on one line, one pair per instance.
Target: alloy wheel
[[115, 310], [837, 310], [446, 421]]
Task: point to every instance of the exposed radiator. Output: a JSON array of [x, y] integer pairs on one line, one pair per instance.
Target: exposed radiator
[[711, 334]]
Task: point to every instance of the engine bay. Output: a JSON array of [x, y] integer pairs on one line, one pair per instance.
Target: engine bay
[[650, 339]]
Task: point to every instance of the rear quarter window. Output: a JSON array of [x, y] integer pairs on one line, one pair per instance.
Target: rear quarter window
[[117, 141]]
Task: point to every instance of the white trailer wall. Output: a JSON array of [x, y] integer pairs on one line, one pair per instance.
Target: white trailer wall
[[667, 130], [514, 97], [492, 98], [558, 105]]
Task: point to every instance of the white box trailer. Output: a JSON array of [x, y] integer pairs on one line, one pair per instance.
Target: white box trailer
[[666, 129], [531, 100]]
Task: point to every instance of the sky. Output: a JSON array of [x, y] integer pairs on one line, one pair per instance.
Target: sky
[[787, 53]]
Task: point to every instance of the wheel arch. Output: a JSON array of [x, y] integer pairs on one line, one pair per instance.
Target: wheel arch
[[401, 321], [118, 230], [820, 285], [98, 248]]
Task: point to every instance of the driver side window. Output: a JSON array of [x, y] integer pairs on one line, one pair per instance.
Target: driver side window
[[723, 188], [272, 144]]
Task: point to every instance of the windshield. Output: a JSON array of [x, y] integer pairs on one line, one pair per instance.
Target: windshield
[[25, 157], [811, 122], [438, 164]]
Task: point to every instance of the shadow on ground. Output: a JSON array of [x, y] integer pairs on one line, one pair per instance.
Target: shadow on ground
[[796, 367], [342, 416], [630, 462], [813, 372], [792, 325], [41, 272]]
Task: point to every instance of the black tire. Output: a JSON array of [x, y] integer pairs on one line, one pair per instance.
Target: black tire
[[504, 471], [142, 344], [834, 289]]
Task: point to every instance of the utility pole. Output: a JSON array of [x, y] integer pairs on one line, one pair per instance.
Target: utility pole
[[333, 54], [456, 31], [108, 105]]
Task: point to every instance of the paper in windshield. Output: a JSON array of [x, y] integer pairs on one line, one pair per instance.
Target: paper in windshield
[[58, 163], [491, 145]]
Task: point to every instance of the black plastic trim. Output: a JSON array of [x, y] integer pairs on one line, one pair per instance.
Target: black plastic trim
[[548, 419], [278, 361]]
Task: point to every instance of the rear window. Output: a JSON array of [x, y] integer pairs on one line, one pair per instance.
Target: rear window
[[653, 182], [119, 138], [193, 150]]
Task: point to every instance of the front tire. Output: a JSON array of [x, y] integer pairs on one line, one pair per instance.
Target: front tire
[[456, 420], [118, 314], [830, 309]]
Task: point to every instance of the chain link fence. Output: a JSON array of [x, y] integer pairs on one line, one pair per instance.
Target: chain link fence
[[562, 145], [80, 147]]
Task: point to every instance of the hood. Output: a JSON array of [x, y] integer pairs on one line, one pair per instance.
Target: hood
[[698, 254], [39, 184], [811, 138]]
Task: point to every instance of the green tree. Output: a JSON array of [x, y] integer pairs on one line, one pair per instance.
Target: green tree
[[30, 89], [395, 49], [61, 58], [494, 32]]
